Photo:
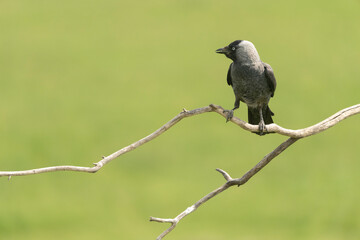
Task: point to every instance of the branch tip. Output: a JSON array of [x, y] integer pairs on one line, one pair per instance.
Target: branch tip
[[225, 174], [162, 220]]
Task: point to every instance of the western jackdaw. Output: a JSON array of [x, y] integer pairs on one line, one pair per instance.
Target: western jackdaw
[[252, 80]]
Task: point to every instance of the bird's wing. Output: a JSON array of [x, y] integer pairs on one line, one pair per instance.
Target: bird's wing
[[229, 80], [270, 77]]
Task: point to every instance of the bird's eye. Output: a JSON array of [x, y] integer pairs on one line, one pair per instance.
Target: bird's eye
[[233, 48]]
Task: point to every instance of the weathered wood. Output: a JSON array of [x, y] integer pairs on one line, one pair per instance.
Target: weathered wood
[[301, 133], [293, 134]]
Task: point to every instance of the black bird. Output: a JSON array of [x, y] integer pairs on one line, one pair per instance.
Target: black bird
[[252, 80]]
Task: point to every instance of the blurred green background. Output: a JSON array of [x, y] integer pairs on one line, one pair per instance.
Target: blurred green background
[[82, 79]]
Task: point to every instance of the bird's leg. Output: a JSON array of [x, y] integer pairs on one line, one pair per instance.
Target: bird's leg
[[230, 113], [262, 125]]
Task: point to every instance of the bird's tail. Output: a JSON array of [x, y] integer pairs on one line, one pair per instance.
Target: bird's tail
[[254, 116]]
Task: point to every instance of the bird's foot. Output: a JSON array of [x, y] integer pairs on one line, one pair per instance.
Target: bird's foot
[[262, 128], [230, 114]]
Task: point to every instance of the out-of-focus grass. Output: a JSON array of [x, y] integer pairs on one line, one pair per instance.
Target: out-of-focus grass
[[81, 79]]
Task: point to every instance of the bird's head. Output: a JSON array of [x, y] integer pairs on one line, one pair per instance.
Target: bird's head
[[240, 50]]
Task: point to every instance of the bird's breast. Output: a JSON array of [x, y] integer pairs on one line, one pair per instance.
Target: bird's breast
[[250, 84]]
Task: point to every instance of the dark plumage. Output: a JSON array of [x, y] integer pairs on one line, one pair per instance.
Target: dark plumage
[[252, 80]]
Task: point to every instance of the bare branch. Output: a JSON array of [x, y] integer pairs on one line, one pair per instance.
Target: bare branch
[[300, 133], [229, 183], [293, 134], [327, 123], [265, 161], [116, 154]]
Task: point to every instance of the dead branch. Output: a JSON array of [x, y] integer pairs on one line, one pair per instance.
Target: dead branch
[[317, 128], [229, 183], [293, 134]]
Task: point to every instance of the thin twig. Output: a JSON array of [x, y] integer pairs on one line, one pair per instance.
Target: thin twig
[[225, 174]]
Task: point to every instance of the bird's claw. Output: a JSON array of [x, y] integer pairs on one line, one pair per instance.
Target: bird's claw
[[262, 128], [230, 114]]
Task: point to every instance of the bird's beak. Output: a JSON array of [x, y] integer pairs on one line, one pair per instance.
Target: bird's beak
[[223, 50]]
